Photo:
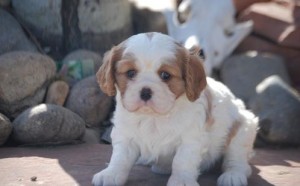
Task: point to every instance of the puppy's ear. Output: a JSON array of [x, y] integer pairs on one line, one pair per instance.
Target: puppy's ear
[[106, 73], [195, 78], [193, 73]]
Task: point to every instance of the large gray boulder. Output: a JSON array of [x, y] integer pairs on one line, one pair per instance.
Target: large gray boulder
[[43, 18], [24, 80], [278, 107], [12, 37], [47, 124], [92, 24], [88, 101], [5, 128], [241, 73]]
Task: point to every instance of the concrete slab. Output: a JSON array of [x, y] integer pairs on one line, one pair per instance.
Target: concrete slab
[[76, 164]]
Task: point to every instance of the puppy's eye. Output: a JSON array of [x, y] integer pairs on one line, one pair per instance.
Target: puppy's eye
[[131, 74], [165, 75]]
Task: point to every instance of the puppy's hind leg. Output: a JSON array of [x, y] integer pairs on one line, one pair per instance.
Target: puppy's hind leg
[[235, 166]]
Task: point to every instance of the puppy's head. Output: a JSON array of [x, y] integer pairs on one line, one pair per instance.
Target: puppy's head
[[150, 72]]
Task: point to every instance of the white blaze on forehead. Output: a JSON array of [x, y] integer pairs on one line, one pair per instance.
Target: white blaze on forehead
[[151, 49]]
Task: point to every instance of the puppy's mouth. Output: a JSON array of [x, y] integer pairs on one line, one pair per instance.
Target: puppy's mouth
[[148, 108]]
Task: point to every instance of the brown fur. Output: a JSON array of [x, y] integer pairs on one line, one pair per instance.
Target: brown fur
[[106, 73], [233, 131], [193, 73], [127, 63], [176, 83]]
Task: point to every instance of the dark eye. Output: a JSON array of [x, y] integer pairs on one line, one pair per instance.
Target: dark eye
[[131, 74], [165, 75]]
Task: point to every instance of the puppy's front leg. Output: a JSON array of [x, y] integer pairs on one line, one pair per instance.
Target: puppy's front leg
[[185, 166], [123, 158]]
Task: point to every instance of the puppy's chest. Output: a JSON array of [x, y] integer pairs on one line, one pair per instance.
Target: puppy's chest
[[156, 138]]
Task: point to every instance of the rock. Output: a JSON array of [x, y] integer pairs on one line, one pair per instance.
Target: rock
[[47, 124], [80, 64], [92, 136], [278, 106], [146, 20], [4, 3], [291, 55], [104, 23], [88, 101], [57, 93], [85, 56], [43, 19], [241, 73], [90, 24], [5, 128], [12, 37], [24, 79]]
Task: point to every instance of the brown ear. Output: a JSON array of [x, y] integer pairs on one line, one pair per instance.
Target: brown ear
[[195, 78], [105, 75]]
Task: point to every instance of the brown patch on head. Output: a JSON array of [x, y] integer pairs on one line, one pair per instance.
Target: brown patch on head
[[175, 83], [150, 35], [123, 66], [106, 73], [193, 72]]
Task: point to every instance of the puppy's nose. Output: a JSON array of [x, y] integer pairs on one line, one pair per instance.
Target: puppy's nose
[[146, 94]]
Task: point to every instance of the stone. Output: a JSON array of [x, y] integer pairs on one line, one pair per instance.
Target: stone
[[80, 64], [88, 101], [291, 55], [92, 136], [47, 124], [85, 55], [43, 19], [241, 73], [278, 106], [275, 22], [147, 20], [4, 3], [90, 24], [12, 37], [57, 93], [24, 78], [104, 23], [5, 128]]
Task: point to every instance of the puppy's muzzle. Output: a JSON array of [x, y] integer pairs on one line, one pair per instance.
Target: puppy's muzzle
[[146, 94]]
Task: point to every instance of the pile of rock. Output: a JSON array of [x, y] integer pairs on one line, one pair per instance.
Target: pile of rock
[[262, 81], [38, 105]]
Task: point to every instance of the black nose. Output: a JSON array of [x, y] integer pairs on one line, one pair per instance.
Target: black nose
[[146, 94]]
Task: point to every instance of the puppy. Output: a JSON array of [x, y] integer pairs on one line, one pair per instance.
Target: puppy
[[170, 116]]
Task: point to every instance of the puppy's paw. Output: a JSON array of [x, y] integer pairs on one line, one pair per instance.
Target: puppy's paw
[[232, 178], [108, 177], [181, 181]]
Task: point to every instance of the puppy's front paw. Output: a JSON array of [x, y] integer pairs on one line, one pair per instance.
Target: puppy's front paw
[[181, 181], [232, 178], [108, 177]]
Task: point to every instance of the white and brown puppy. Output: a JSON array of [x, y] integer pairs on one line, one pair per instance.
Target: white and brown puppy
[[169, 115]]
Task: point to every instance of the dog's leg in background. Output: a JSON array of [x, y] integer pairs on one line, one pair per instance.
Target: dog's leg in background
[[124, 156], [185, 167], [236, 168]]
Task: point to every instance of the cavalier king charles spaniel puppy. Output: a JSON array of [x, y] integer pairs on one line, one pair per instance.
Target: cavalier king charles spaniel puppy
[[171, 116]]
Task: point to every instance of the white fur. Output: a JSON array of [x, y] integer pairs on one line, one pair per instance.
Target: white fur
[[177, 139]]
